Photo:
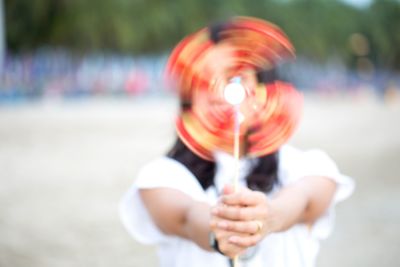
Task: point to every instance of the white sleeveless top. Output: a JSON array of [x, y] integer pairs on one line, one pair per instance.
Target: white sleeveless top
[[296, 247]]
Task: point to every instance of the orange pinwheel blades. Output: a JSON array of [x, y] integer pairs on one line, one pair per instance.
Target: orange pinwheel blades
[[241, 51]]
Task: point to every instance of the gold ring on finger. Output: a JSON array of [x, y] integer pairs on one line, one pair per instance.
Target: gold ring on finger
[[259, 226]]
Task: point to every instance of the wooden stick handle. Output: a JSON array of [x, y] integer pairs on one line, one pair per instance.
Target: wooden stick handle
[[236, 154]]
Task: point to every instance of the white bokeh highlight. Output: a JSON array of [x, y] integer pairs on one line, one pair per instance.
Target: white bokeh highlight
[[234, 93]]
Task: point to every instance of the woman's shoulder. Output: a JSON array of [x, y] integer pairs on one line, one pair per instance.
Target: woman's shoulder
[[295, 163], [290, 155], [167, 173], [292, 151]]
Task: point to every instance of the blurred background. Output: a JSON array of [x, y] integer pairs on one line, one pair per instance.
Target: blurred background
[[83, 106]]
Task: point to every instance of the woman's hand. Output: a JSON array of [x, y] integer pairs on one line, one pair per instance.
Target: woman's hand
[[224, 245], [245, 217], [250, 215]]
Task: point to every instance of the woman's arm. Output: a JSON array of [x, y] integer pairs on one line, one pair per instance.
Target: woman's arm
[[304, 201], [175, 213], [244, 212]]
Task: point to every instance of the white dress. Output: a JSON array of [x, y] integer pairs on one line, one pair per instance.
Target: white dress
[[296, 247]]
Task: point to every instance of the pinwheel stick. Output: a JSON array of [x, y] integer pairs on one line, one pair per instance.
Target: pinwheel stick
[[236, 150], [236, 154], [234, 94]]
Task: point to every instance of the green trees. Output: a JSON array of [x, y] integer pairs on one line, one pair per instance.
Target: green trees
[[319, 29]]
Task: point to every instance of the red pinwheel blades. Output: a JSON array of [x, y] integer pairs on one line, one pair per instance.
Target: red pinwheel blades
[[244, 51]]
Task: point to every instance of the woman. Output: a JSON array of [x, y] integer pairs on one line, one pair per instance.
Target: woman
[[185, 205], [183, 202]]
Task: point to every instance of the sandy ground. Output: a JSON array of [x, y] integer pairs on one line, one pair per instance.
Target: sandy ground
[[64, 166]]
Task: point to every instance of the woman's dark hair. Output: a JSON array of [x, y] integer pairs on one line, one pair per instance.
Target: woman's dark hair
[[262, 177]]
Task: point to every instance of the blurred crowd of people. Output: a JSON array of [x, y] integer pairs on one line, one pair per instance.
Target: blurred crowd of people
[[60, 74], [50, 73], [334, 78]]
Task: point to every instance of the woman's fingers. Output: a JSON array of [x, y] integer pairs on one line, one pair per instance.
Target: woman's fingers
[[237, 213], [234, 237], [245, 227], [245, 241], [228, 189], [234, 212], [228, 248], [233, 243], [244, 197], [241, 217]]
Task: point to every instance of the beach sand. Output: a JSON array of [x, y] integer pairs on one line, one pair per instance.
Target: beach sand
[[65, 164]]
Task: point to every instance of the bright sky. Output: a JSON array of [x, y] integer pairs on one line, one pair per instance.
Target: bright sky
[[358, 3]]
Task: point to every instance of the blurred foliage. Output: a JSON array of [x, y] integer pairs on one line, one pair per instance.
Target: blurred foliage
[[320, 29]]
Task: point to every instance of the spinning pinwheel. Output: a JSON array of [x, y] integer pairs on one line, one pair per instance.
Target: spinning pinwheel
[[226, 80], [231, 99]]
